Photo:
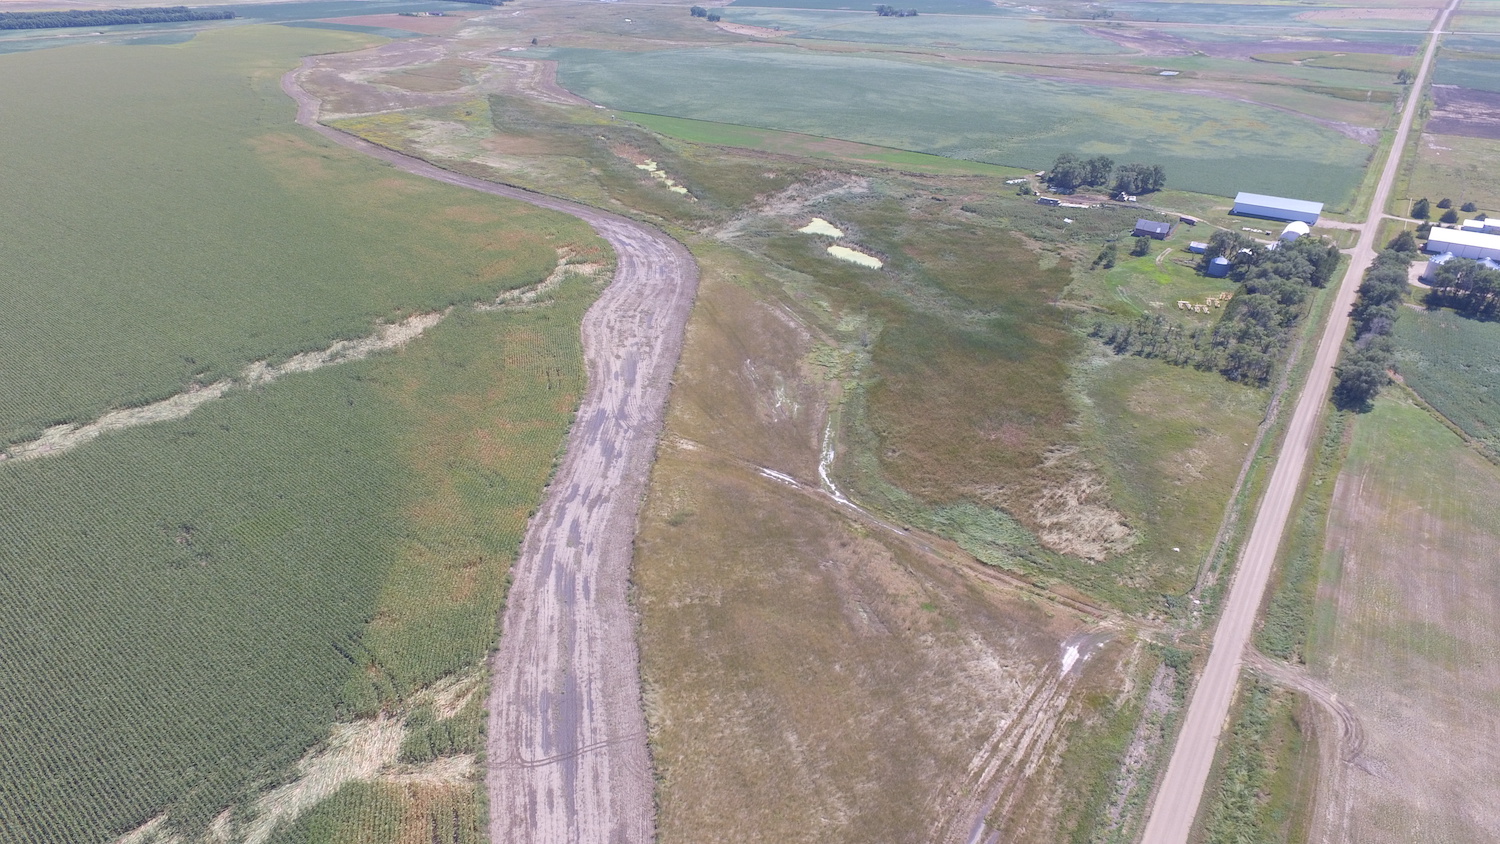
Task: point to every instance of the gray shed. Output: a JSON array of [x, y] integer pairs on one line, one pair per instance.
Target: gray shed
[[1151, 228], [1218, 267]]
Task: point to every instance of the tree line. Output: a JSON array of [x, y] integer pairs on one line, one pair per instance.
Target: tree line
[[700, 12], [1247, 343], [109, 17], [893, 12], [1069, 172], [1362, 371]]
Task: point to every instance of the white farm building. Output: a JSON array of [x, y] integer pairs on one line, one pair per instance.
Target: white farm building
[[1294, 230], [1277, 208], [1464, 244]]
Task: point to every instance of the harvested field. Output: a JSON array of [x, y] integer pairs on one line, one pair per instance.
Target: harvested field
[[1464, 111], [1406, 634]]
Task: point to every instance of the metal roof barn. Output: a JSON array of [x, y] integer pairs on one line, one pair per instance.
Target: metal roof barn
[[1277, 208], [1464, 244]]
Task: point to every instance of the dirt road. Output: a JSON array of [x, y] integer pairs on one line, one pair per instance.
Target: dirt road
[[567, 750], [1181, 788]]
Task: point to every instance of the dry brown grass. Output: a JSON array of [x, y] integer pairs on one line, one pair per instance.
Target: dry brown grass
[[808, 676]]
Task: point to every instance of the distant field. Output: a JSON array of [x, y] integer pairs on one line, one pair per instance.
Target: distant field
[[950, 7], [1454, 364], [790, 143], [1481, 75], [191, 605], [1206, 145], [1003, 34], [243, 241]]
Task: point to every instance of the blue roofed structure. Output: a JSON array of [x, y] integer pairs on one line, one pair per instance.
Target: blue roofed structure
[[1277, 208]]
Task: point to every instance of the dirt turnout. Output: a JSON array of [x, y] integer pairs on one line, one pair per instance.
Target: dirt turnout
[[567, 750]]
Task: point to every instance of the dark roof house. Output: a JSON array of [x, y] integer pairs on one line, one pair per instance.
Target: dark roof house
[[1151, 228]]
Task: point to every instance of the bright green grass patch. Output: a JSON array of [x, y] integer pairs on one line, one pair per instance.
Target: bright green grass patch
[[1287, 624], [203, 231], [1205, 145], [1257, 792], [1010, 35], [1454, 364], [791, 143]]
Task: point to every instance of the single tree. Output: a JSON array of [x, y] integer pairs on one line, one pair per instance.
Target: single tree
[[1142, 246], [1404, 76], [1469, 208], [714, 17], [1445, 202], [1450, 216], [1424, 229], [1106, 257], [1403, 242], [1420, 209], [698, 12]]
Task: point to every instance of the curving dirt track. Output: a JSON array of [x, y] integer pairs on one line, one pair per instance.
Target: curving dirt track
[[567, 756]]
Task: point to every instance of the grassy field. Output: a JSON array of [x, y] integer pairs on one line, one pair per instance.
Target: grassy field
[[1452, 166], [1405, 632], [776, 631], [1213, 146], [192, 604], [1454, 364], [1259, 785], [812, 146]]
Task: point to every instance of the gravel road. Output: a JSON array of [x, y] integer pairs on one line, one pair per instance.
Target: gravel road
[[567, 756], [1177, 799]]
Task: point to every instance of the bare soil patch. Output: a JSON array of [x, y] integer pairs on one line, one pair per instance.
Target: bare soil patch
[[757, 31], [1464, 111]]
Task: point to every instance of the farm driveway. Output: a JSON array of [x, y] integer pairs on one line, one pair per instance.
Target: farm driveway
[[1181, 789], [567, 751]]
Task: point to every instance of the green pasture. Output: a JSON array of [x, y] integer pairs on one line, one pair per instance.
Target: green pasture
[[190, 604], [1454, 364], [1480, 74], [791, 143], [204, 231], [1206, 145], [973, 33]]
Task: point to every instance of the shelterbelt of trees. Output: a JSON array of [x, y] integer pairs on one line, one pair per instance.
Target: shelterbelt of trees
[[1247, 344], [109, 17]]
